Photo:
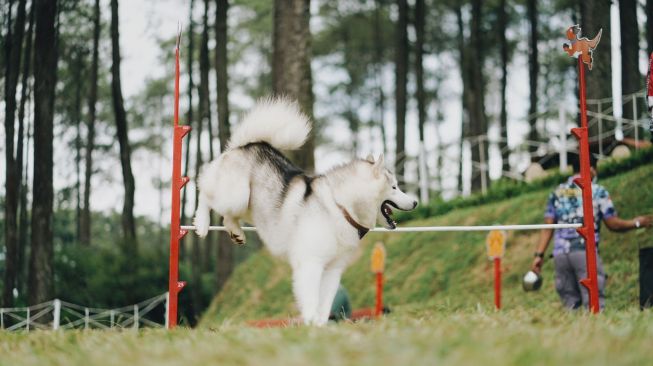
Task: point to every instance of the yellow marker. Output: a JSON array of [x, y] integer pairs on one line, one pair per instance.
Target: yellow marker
[[496, 243], [378, 258]]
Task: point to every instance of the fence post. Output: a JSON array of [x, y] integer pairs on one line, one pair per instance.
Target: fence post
[[563, 139], [423, 175], [481, 147], [135, 317], [167, 309], [27, 321], [86, 318], [635, 121], [2, 318], [56, 314], [112, 315]]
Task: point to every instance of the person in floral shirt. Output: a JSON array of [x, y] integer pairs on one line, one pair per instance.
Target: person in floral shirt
[[565, 205]]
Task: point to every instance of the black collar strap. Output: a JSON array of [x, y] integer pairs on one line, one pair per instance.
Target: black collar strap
[[362, 230]]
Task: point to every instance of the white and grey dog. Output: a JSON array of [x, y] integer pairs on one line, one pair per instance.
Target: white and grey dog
[[314, 222]]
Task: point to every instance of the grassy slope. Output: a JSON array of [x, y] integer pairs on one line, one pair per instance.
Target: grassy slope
[[449, 271]]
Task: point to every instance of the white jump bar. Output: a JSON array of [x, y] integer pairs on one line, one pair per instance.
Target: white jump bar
[[417, 229]]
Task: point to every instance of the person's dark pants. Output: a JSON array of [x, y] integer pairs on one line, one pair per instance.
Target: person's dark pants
[[646, 277], [570, 268]]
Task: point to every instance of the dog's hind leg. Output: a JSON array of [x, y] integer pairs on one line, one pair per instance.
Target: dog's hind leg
[[236, 233], [306, 286], [229, 189]]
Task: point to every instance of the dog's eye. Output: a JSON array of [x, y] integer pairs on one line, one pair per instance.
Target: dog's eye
[[394, 187]]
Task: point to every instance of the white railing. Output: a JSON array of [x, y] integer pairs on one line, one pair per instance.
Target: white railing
[[57, 314]]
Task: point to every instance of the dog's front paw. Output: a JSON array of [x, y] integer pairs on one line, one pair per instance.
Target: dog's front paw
[[237, 238]]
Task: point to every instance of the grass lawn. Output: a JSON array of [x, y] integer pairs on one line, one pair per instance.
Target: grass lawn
[[410, 337]]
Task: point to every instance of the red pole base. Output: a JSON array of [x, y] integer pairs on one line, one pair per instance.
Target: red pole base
[[378, 310], [497, 283]]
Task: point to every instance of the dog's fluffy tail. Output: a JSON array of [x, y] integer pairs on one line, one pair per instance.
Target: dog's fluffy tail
[[202, 217], [277, 121]]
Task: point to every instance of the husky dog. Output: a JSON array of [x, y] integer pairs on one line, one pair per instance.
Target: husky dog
[[314, 222]]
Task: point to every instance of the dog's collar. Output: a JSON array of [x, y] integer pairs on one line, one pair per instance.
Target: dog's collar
[[362, 230]]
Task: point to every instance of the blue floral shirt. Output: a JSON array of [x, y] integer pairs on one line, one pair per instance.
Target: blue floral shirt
[[565, 205]]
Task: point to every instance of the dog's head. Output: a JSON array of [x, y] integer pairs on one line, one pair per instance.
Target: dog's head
[[388, 194]]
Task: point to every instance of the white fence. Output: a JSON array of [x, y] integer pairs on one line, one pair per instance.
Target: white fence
[[57, 314]]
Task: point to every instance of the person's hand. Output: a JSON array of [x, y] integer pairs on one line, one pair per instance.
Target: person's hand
[[537, 265], [644, 221]]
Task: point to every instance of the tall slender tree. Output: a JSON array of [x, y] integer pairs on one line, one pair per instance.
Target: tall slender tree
[[130, 244], [420, 94], [464, 75], [41, 269], [533, 71], [22, 148], [502, 24], [189, 114], [631, 79], [85, 226], [478, 121], [77, 116], [205, 109], [401, 75], [291, 65], [14, 43], [649, 25], [225, 258], [595, 15], [378, 64]]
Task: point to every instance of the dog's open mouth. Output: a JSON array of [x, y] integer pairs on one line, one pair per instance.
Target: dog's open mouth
[[386, 211]]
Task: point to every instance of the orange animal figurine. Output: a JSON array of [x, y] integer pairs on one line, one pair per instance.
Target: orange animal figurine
[[582, 47]]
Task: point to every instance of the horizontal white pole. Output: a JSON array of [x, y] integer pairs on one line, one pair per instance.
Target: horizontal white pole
[[417, 229]]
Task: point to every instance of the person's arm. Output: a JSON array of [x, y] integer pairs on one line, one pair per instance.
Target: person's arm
[[615, 223], [542, 245]]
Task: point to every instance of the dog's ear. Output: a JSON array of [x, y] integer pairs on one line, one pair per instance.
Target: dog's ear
[[370, 158], [379, 165]]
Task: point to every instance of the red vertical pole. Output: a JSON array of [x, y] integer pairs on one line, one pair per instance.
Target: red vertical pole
[[378, 310], [497, 282], [585, 184], [178, 182]]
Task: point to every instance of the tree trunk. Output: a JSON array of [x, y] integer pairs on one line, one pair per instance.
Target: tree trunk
[[130, 245], [225, 256], [191, 89], [378, 62], [41, 269], [14, 43], [533, 73], [464, 75], [649, 26], [85, 227], [205, 111], [631, 79], [401, 74], [478, 121], [350, 112], [420, 94], [78, 141], [502, 23], [20, 154], [595, 14], [291, 65]]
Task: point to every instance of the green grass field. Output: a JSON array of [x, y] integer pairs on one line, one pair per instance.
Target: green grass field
[[439, 286], [410, 337]]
